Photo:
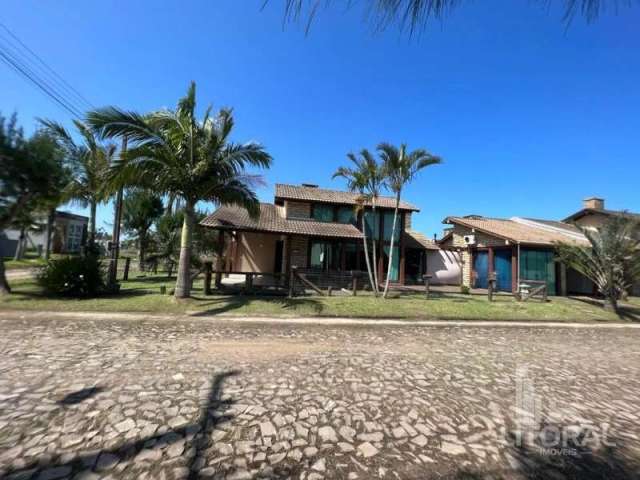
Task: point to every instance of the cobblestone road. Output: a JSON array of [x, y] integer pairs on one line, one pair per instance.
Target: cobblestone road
[[90, 399]]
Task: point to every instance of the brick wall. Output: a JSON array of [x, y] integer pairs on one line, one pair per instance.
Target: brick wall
[[482, 240], [299, 248], [297, 209]]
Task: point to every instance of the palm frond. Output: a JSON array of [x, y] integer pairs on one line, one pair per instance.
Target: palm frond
[[414, 15], [112, 122]]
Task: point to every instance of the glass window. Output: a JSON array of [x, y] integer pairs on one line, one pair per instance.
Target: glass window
[[538, 265], [318, 254], [346, 215], [388, 227], [323, 213], [325, 255], [372, 224]]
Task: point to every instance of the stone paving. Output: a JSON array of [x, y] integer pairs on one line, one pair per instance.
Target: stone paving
[[84, 398]]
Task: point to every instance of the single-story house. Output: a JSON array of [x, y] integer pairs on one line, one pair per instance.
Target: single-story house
[[69, 230], [319, 230], [519, 249]]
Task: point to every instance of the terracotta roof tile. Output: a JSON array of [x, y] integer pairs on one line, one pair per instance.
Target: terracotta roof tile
[[611, 213], [516, 230], [272, 220], [314, 194], [415, 239]]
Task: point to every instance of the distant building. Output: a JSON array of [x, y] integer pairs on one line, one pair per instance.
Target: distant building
[[69, 230]]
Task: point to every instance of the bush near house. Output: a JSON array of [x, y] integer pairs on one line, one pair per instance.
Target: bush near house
[[73, 277]]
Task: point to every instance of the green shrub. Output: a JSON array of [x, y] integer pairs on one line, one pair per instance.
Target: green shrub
[[73, 276], [465, 290]]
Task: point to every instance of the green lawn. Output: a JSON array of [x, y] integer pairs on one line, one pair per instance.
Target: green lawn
[[142, 294], [27, 262]]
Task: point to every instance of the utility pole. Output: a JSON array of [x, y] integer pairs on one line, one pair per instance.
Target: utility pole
[[117, 220]]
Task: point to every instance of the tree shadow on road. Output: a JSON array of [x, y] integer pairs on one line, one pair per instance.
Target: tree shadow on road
[[80, 396], [211, 415], [197, 437]]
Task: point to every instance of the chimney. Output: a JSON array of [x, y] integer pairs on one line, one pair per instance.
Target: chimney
[[593, 203]]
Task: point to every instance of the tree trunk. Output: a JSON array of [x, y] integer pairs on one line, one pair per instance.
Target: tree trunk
[[393, 231], [141, 250], [611, 303], [183, 282], [4, 285], [48, 233], [366, 253], [375, 249], [19, 246], [92, 224]]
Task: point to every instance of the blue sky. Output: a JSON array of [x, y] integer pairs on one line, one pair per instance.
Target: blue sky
[[529, 116]]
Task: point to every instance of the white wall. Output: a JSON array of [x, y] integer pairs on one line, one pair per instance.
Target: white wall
[[444, 267]]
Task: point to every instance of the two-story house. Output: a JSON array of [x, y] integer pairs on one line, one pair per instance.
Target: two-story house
[[320, 229]]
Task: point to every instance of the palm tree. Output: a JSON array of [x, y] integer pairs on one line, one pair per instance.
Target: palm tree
[[365, 178], [194, 160], [611, 260], [400, 168], [90, 162], [141, 208], [413, 15]]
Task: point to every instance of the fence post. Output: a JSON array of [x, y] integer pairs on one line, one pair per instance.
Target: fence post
[[354, 280], [248, 282], [492, 285], [127, 262], [329, 289], [544, 293], [207, 277], [427, 282], [292, 280]]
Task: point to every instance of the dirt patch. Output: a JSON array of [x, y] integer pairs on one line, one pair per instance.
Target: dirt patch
[[262, 349]]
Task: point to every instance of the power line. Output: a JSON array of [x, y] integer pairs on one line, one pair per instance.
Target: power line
[[25, 69], [17, 60], [12, 64], [61, 81], [12, 53]]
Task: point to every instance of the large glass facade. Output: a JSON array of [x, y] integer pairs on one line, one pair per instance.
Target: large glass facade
[[325, 255], [323, 213], [372, 224], [538, 265], [388, 227], [395, 263], [346, 215]]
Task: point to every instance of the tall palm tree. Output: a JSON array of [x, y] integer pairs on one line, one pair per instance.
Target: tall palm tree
[[90, 161], [366, 178], [194, 160], [611, 260], [400, 168]]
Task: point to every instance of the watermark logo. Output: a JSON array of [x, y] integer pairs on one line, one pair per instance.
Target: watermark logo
[[532, 430]]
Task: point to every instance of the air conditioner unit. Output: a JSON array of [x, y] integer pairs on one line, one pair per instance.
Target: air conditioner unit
[[469, 239]]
